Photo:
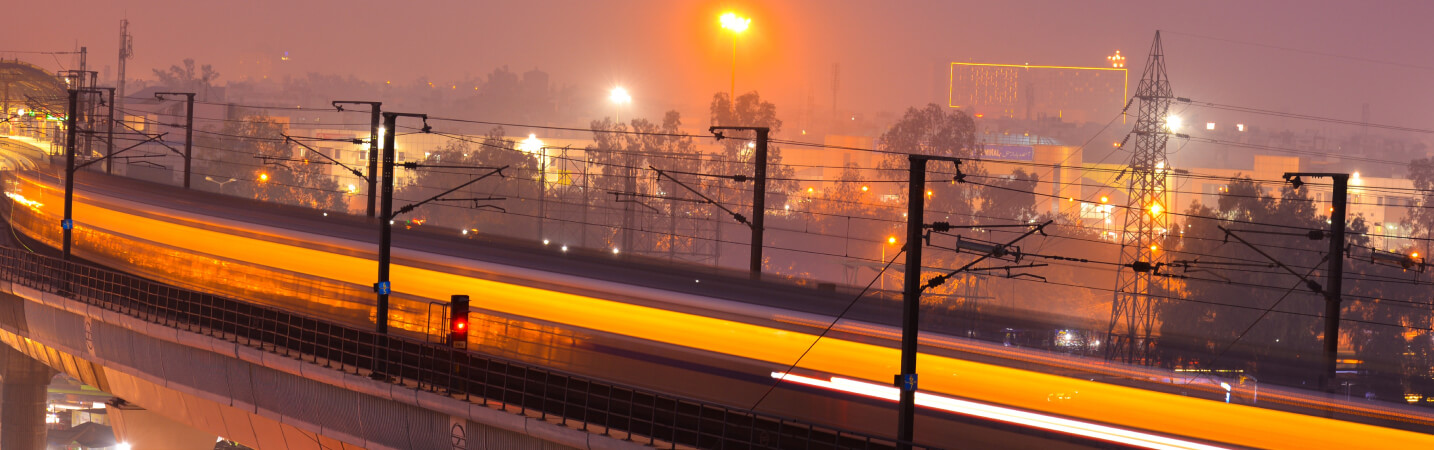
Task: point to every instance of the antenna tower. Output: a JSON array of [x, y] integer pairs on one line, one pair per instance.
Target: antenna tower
[[1146, 219], [126, 51]]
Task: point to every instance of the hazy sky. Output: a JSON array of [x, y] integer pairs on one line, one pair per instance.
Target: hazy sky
[[673, 54]]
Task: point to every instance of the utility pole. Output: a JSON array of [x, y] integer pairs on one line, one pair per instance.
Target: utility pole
[[912, 286], [188, 130], [911, 299], [1333, 294], [543, 188], [68, 223], [1131, 316], [385, 238], [375, 109], [759, 193], [110, 135]]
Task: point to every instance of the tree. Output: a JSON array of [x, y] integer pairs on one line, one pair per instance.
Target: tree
[[937, 131], [737, 153], [187, 79], [514, 216], [1011, 197], [1217, 311], [649, 214], [252, 150]]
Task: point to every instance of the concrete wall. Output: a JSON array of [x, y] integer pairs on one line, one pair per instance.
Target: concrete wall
[[260, 399]]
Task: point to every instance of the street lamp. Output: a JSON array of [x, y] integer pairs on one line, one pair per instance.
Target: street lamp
[[220, 183], [730, 21], [890, 241], [620, 97]]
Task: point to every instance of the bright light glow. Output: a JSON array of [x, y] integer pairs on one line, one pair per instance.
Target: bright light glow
[[620, 96], [1104, 199], [1156, 209], [614, 250], [998, 413], [565, 248], [263, 177], [1240, 126], [122, 446], [1414, 255], [531, 145], [353, 189], [545, 242], [1172, 123], [465, 231], [891, 240], [1153, 247], [864, 188], [928, 193], [1209, 125], [730, 21], [811, 190]]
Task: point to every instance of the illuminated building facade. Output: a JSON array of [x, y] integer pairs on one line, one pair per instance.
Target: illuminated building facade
[[1023, 91]]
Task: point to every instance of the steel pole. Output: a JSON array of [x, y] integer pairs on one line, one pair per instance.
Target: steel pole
[[374, 117], [110, 137], [68, 223], [188, 137], [385, 238], [1336, 280], [911, 301], [759, 201]]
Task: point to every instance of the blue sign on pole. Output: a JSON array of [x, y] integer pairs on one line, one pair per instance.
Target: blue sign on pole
[[906, 381], [382, 287], [68, 224]]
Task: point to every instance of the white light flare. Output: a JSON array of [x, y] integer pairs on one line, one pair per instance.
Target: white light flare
[[998, 413]]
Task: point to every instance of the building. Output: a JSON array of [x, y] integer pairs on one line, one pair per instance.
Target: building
[[1024, 91]]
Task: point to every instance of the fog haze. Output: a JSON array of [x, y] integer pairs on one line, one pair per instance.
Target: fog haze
[[673, 55]]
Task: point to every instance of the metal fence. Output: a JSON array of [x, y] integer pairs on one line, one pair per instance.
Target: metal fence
[[624, 412]]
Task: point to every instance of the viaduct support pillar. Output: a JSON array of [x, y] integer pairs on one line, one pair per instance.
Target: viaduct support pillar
[[23, 390]]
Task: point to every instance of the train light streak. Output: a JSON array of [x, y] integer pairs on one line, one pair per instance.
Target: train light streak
[[992, 412], [557, 300]]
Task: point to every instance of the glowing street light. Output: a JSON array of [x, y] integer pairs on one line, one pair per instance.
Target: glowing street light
[[730, 21], [619, 97], [1116, 60]]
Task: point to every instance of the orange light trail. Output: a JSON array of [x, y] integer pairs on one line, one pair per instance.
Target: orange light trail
[[1078, 398]]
